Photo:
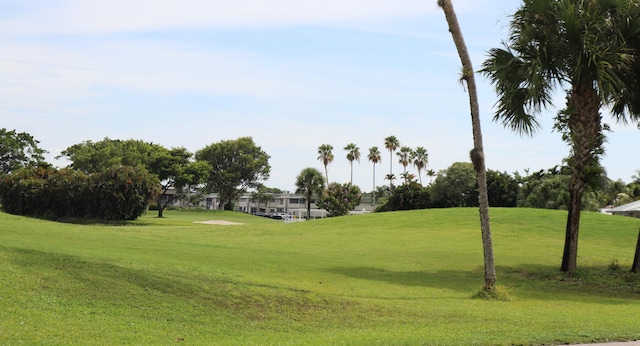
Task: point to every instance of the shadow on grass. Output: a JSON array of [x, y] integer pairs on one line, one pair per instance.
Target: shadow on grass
[[529, 281], [98, 284]]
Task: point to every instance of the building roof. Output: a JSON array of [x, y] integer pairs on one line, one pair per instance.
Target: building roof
[[633, 206], [629, 209]]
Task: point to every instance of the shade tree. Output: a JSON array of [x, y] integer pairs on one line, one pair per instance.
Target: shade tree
[[236, 166]]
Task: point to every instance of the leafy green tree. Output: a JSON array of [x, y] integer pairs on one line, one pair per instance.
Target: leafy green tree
[[545, 189], [407, 197], [339, 199], [237, 165], [502, 189], [325, 155], [375, 157], [175, 169], [92, 157], [589, 48], [455, 187], [353, 154], [477, 153], [391, 143], [420, 159], [310, 182], [18, 150]]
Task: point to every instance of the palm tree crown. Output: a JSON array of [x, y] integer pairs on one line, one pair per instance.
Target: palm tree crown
[[404, 157], [309, 182], [326, 157], [420, 158], [588, 48], [353, 154], [391, 143]]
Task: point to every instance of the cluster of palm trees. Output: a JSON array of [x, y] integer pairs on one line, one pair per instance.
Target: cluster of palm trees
[[407, 156]]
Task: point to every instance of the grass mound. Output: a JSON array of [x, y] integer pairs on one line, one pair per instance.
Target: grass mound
[[389, 278]]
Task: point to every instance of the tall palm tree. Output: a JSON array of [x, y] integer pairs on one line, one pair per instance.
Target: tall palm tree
[[404, 157], [353, 154], [309, 182], [477, 153], [420, 158], [391, 143], [589, 48], [375, 157], [326, 157]]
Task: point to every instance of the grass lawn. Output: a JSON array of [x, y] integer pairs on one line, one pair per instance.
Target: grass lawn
[[402, 278]]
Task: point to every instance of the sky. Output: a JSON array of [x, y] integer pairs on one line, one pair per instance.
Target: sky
[[291, 74]]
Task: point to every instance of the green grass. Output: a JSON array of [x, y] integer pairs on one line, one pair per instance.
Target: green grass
[[401, 278]]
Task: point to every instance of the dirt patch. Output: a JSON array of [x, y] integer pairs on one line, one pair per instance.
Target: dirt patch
[[219, 222]]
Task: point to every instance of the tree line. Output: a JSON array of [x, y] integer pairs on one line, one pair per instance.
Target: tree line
[[228, 167]]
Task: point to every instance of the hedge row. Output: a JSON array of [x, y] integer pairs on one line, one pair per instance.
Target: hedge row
[[118, 193]]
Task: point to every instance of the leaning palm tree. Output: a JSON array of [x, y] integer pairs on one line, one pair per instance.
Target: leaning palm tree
[[590, 49], [420, 158], [477, 153], [309, 182], [326, 156], [391, 143], [404, 157], [353, 154], [375, 157]]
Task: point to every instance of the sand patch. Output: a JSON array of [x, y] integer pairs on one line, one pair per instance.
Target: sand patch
[[219, 222]]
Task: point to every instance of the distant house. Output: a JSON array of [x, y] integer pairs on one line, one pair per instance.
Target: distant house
[[288, 203], [629, 209]]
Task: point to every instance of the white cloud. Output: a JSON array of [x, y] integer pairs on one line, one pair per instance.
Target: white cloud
[[105, 17]]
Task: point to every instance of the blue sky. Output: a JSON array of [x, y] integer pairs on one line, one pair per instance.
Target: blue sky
[[292, 74]]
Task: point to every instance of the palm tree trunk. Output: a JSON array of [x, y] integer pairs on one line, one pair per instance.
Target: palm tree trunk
[[636, 258], [477, 154], [351, 163], [373, 192], [390, 170], [326, 174], [586, 133]]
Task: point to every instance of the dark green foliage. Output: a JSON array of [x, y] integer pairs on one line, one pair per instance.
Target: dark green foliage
[[18, 150], [502, 189], [547, 190], [122, 193], [339, 199], [92, 157], [407, 197], [118, 193], [236, 166], [455, 187]]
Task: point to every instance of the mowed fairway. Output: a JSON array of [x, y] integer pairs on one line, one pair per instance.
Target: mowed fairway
[[402, 278]]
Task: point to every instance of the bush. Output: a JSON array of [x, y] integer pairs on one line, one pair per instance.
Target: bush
[[118, 193], [339, 199], [407, 197]]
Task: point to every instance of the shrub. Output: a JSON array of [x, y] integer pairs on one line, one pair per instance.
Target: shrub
[[339, 199], [118, 193]]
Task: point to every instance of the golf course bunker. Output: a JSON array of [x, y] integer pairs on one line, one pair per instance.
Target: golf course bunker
[[219, 222]]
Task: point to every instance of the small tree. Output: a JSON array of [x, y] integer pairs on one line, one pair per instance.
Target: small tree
[[339, 199], [309, 182], [237, 165], [18, 150]]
